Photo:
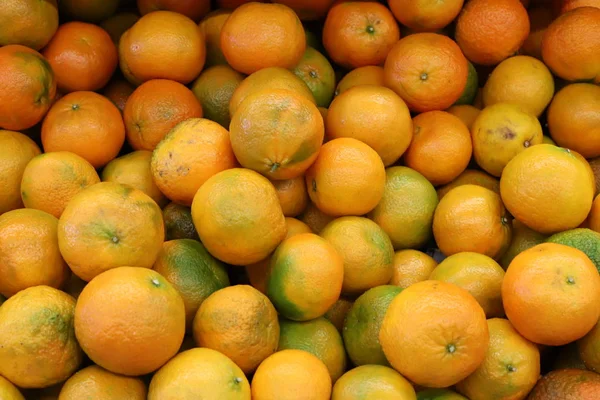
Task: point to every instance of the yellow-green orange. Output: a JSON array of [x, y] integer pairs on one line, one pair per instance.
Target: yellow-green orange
[[95, 382], [522, 239], [468, 95], [471, 177], [337, 313], [317, 73], [373, 382], [582, 239], [8, 391], [411, 266]]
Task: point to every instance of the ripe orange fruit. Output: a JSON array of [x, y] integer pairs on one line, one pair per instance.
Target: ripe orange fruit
[[337, 313], [571, 45], [427, 70], [539, 17], [194, 9], [347, 178], [471, 177], [16, 150], [441, 147], [154, 108], [293, 196], [199, 372], [133, 169], [27, 89], [489, 31], [118, 91], [568, 5], [51, 180], [441, 344], [87, 124], [374, 381], [471, 218], [193, 151], [411, 266], [567, 384], [211, 26], [9, 391], [425, 16], [315, 218], [88, 10], [310, 11], [178, 222], [37, 342], [118, 24], [369, 75], [82, 56], [466, 112], [357, 34], [374, 115], [257, 36], [573, 119], [167, 36], [523, 238], [259, 225], [29, 23], [594, 216], [317, 73], [280, 143], [289, 372], [97, 383], [109, 225], [551, 294], [588, 349], [533, 194]]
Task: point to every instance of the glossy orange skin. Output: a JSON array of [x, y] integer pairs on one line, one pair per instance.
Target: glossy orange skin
[[308, 11], [424, 15], [118, 92], [427, 70], [211, 26], [82, 56], [193, 9], [97, 383], [87, 124], [29, 23], [568, 5], [27, 87], [357, 34], [293, 195], [567, 384]]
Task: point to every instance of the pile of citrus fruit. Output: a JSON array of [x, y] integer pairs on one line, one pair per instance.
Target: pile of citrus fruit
[[300, 200]]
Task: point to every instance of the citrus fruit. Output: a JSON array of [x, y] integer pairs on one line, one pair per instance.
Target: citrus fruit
[[118, 24], [193, 151], [178, 222], [425, 16], [258, 226], [374, 115], [568, 5], [373, 381], [558, 280], [315, 218], [289, 372], [471, 88], [594, 218], [97, 383], [317, 73], [366, 250], [88, 10], [338, 311], [427, 70], [258, 35], [305, 277], [471, 177], [118, 91], [411, 266], [199, 372], [211, 26], [292, 194], [109, 225], [29, 23], [193, 9], [37, 342], [439, 394], [368, 75], [540, 16], [588, 349], [567, 384], [465, 112], [586, 240], [523, 238], [130, 320], [441, 344], [347, 178], [8, 391], [313, 10]]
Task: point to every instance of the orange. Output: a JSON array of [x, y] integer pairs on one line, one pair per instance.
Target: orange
[[97, 383], [347, 178], [240, 322], [87, 124], [293, 196], [211, 26], [232, 4], [305, 277], [284, 137], [369, 75], [540, 17], [441, 344], [8, 391], [310, 11], [594, 216], [427, 70], [567, 384], [588, 349], [551, 294], [373, 381], [37, 342], [110, 225], [194, 9], [16, 150], [337, 313], [199, 372], [374, 115], [118, 91], [357, 34], [258, 35], [167, 36], [500, 132], [411, 266], [523, 238], [471, 177], [569, 5], [238, 216], [317, 73], [29, 251], [441, 147], [547, 188], [405, 211], [27, 88], [489, 31], [154, 108], [133, 169], [178, 222], [425, 16], [573, 119], [315, 218], [51, 180], [118, 24], [29, 23], [571, 45], [478, 274], [214, 88], [89, 10], [287, 373], [466, 112], [130, 320], [510, 369], [471, 218], [366, 250], [82, 56], [193, 151], [520, 80]]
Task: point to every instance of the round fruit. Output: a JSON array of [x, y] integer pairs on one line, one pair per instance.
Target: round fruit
[[211, 26], [369, 75], [8, 391], [315, 218], [373, 381], [425, 16], [179, 223], [540, 17], [465, 112], [337, 313], [523, 238], [411, 266], [594, 218], [97, 383], [567, 384], [317, 73], [471, 177], [194, 9], [586, 240], [118, 91], [589, 349], [118, 24], [292, 194], [29, 23]]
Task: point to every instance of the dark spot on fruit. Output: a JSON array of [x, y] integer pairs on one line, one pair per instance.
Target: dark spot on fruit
[[370, 29], [451, 348], [313, 74], [570, 280], [511, 368], [75, 107], [274, 167], [507, 133], [314, 185], [424, 76]]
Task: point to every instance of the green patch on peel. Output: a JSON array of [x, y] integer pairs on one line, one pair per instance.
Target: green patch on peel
[[305, 151], [46, 77], [282, 276], [51, 322]]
